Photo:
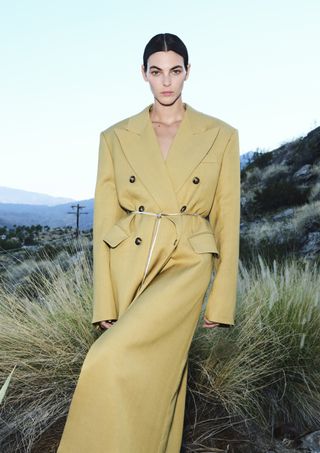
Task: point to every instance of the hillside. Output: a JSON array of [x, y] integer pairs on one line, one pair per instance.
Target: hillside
[[280, 203]]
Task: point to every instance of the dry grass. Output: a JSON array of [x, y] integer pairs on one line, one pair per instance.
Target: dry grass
[[263, 370], [46, 338], [307, 218], [297, 225]]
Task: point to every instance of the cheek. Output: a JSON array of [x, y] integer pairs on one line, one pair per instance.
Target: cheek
[[151, 86], [157, 86], [153, 83], [179, 82]]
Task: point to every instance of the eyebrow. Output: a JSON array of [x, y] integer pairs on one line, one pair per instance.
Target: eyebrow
[[174, 67]]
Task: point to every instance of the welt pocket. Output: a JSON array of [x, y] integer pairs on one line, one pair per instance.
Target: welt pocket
[[204, 243], [115, 236]]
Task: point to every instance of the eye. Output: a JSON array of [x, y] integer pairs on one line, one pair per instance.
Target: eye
[[154, 72], [177, 71]]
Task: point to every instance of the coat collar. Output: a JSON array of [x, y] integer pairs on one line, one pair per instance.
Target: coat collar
[[163, 178]]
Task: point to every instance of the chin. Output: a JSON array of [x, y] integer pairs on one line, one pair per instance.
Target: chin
[[167, 101]]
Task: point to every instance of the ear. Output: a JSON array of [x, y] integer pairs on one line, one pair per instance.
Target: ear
[[188, 71], [143, 73]]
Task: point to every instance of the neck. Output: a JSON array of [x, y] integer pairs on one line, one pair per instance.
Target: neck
[[167, 113]]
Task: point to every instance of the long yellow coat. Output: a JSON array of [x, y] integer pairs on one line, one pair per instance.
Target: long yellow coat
[[161, 226]]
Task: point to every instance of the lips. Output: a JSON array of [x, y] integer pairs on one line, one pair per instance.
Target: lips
[[167, 92]]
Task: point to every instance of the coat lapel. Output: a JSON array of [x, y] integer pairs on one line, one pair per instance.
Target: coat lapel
[[193, 141], [163, 178]]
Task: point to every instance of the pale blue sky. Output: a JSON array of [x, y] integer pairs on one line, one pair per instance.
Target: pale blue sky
[[70, 69]]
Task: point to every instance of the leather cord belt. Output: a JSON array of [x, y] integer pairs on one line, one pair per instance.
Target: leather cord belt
[[158, 216]]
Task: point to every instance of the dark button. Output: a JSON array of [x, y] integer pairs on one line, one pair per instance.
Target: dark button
[[132, 178], [141, 208], [196, 180], [183, 208], [138, 241]]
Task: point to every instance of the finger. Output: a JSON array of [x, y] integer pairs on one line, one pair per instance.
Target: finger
[[105, 324], [209, 322], [208, 326]]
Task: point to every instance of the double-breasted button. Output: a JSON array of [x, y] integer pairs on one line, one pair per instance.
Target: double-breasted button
[[132, 178], [138, 241], [184, 207], [196, 180], [141, 208]]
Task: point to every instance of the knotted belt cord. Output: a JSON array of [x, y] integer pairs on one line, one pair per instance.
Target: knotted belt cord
[[158, 216]]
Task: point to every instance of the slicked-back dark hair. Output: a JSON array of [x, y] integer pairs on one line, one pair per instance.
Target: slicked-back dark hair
[[165, 42]]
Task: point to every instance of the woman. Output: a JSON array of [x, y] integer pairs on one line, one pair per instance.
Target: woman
[[166, 213]]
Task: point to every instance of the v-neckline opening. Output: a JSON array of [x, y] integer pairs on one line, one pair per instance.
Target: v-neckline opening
[[174, 138]]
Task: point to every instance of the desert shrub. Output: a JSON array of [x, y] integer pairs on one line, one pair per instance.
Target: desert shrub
[[9, 244], [307, 218], [272, 247], [253, 176], [315, 192], [265, 369], [279, 194], [260, 160], [48, 251], [46, 338]]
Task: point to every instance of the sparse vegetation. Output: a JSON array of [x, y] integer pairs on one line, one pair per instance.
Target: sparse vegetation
[[264, 372], [281, 238], [278, 194], [261, 370], [46, 337]]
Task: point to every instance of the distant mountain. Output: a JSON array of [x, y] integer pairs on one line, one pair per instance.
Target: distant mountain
[[9, 195], [246, 158], [53, 216]]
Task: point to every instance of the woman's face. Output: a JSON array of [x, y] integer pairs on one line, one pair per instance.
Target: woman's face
[[166, 73]]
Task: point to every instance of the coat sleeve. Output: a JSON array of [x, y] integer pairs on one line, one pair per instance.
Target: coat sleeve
[[224, 218], [107, 211]]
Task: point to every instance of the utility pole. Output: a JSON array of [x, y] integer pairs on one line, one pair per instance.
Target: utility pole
[[77, 213]]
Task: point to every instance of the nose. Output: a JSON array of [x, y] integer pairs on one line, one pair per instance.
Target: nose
[[166, 80]]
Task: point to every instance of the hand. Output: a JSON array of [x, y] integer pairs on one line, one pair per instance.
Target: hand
[[209, 324], [106, 324]]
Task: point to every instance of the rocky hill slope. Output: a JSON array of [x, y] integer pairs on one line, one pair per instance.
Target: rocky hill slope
[[280, 203]]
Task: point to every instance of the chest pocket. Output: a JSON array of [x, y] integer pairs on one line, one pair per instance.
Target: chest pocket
[[204, 243]]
